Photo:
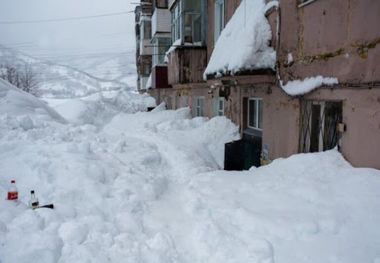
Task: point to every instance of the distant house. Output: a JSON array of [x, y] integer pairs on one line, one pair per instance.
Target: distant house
[[296, 76]]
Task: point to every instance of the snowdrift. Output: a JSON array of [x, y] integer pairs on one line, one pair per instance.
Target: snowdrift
[[146, 187], [99, 108], [15, 103]]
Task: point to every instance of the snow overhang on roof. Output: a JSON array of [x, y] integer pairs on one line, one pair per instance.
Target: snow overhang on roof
[[243, 45]]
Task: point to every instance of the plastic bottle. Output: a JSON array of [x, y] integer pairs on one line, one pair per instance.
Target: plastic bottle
[[33, 203], [12, 192]]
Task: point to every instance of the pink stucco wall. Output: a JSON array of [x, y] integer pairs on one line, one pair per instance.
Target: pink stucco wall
[[330, 38], [339, 38], [361, 114], [280, 113]]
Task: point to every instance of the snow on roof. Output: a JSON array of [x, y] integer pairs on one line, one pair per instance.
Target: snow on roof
[[171, 49], [300, 87], [244, 42]]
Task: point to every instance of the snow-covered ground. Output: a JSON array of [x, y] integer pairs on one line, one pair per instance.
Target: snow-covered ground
[[132, 186]]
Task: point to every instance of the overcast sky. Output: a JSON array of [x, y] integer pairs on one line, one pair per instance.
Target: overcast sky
[[75, 38]]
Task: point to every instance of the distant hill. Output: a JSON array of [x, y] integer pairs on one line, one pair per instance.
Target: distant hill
[[77, 77], [118, 66]]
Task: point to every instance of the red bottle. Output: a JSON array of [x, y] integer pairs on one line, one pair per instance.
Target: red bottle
[[12, 192]]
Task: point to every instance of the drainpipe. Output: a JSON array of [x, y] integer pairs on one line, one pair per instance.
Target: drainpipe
[[278, 41], [278, 33]]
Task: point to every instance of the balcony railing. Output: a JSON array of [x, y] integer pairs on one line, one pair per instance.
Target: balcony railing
[[186, 64]]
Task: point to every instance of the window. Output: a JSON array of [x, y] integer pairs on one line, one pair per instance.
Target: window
[[146, 69], [147, 28], [255, 113], [219, 106], [219, 18], [176, 22], [187, 21], [183, 101], [319, 122], [161, 45], [199, 106]]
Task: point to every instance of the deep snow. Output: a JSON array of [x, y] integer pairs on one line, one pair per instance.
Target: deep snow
[[146, 187]]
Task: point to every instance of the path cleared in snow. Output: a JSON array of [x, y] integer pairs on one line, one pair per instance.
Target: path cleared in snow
[[146, 187]]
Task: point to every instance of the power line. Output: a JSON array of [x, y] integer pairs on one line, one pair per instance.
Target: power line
[[63, 19]]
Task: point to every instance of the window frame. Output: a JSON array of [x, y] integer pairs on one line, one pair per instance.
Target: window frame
[[199, 107], [160, 46], [186, 24], [220, 112], [220, 18], [257, 102], [147, 69], [146, 26], [176, 21], [302, 3]]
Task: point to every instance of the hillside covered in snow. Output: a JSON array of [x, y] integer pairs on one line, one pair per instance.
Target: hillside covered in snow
[[63, 79], [136, 186]]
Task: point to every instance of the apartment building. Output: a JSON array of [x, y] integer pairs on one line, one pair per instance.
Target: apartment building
[[187, 57], [337, 39], [144, 50], [312, 41]]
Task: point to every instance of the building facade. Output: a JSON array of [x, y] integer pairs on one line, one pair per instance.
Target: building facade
[[144, 50], [311, 38]]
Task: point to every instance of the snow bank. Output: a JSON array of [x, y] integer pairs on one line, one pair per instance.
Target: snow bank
[[244, 42], [23, 107], [145, 187], [99, 108], [300, 87], [307, 208], [205, 138]]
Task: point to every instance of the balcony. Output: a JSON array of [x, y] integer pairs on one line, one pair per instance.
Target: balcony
[[186, 64], [145, 36], [161, 22], [146, 48]]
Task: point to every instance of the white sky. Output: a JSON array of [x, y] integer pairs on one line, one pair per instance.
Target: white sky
[[74, 38]]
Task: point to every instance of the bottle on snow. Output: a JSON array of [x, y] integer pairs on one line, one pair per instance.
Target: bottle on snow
[[33, 203], [12, 192]]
